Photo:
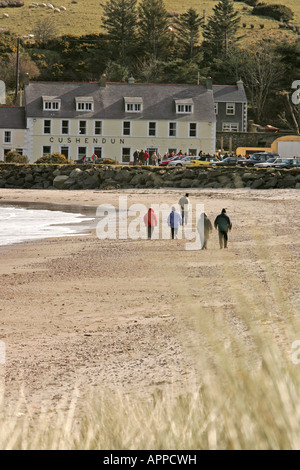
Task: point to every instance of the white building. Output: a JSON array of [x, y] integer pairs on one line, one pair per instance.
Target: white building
[[113, 119]]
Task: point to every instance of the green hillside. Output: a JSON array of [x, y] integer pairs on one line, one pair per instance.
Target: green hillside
[[84, 17]]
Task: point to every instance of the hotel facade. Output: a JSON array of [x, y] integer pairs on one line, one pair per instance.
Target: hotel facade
[[110, 120]]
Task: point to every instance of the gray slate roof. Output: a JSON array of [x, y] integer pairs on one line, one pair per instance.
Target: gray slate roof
[[230, 93], [158, 100], [12, 117]]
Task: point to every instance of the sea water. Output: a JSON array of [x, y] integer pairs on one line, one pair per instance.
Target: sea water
[[19, 224]]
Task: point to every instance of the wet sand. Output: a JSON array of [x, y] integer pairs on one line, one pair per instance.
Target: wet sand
[[112, 315]]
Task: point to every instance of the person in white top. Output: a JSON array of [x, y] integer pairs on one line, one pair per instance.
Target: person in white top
[[184, 205]]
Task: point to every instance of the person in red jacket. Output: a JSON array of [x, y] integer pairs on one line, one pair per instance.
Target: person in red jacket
[[150, 220], [145, 157]]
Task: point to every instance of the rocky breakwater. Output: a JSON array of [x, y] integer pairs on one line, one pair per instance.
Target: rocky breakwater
[[118, 177]]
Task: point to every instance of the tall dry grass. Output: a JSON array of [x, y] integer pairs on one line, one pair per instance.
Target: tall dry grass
[[245, 396]]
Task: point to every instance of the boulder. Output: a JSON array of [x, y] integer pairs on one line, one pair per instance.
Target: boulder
[[258, 183], [75, 173], [59, 181], [92, 182], [138, 179], [188, 173], [68, 183], [271, 183], [123, 176], [185, 183]]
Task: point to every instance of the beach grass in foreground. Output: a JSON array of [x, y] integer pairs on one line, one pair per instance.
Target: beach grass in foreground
[[247, 397]]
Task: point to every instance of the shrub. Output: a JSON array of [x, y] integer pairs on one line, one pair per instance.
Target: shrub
[[251, 3], [110, 161], [54, 159], [15, 157], [278, 12]]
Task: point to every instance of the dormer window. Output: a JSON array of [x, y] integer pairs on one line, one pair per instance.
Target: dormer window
[[84, 103], [184, 106], [133, 105], [51, 103]]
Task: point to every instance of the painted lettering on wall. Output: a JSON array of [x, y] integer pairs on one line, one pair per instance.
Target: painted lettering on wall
[[85, 140]]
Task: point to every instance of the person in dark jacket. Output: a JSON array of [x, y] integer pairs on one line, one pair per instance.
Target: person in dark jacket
[[223, 225], [204, 228], [140, 159], [136, 157]]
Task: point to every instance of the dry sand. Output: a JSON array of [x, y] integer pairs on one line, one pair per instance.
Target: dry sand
[[114, 314]]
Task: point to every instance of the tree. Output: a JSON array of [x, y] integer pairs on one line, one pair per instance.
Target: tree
[[26, 66], [45, 29], [260, 73], [289, 53], [221, 30], [187, 30], [119, 20], [153, 28]]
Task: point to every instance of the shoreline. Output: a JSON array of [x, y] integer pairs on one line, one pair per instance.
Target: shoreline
[[53, 206], [58, 226], [114, 315]]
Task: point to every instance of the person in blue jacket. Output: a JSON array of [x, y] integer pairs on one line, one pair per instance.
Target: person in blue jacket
[[223, 224], [174, 222]]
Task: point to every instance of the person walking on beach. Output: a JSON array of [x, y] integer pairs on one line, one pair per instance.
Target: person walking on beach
[[150, 220], [204, 227], [174, 221], [184, 205], [223, 224]]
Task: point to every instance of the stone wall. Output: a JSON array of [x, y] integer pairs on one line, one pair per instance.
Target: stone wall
[[117, 177], [245, 139]]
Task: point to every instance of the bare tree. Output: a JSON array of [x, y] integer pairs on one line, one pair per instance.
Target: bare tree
[[260, 73], [290, 118], [26, 66], [45, 29]]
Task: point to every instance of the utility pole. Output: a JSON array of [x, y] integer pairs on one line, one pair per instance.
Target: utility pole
[[17, 70]]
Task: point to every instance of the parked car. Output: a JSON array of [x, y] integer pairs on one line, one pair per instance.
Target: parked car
[[168, 160], [204, 161], [265, 164], [89, 160], [182, 161], [259, 157], [228, 161], [286, 163]]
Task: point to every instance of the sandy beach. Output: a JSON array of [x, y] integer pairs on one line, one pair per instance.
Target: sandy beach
[[80, 313]]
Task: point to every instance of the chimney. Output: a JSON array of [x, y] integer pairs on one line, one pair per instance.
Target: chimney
[[240, 84], [103, 81], [209, 83], [131, 80]]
